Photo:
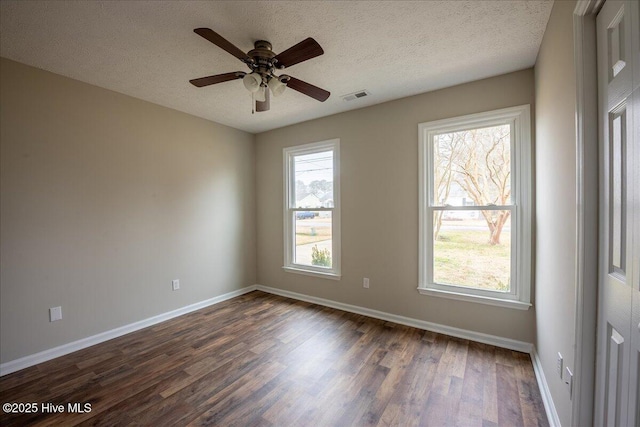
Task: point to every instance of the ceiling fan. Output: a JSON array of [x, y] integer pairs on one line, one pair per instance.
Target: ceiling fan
[[263, 62]]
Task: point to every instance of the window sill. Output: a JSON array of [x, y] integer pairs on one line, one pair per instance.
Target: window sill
[[321, 274], [518, 305]]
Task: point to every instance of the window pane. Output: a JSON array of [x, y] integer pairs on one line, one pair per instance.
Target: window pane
[[313, 175], [313, 238], [473, 249], [472, 167]]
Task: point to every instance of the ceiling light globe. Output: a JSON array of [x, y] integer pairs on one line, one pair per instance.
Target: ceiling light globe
[[252, 82], [276, 86]]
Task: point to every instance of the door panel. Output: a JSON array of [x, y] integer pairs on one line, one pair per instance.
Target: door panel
[[617, 44], [618, 199], [634, 153], [615, 381], [618, 335]]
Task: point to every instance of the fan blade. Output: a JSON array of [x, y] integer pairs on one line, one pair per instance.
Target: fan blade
[[221, 42], [218, 78], [308, 89], [306, 49], [264, 106]]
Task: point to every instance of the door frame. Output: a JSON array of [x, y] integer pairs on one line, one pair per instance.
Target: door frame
[[585, 61]]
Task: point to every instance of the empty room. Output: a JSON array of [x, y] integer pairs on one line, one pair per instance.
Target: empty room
[[320, 213]]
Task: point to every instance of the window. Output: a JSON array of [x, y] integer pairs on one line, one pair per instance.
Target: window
[[475, 207], [312, 209]]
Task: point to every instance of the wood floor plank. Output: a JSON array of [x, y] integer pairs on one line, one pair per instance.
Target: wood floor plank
[[509, 410], [490, 389], [470, 409], [397, 364], [410, 398], [237, 395], [264, 360], [530, 399], [282, 408]]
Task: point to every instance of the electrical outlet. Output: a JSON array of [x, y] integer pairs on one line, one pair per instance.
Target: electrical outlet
[[568, 380], [365, 282], [559, 365], [55, 313], [175, 284]]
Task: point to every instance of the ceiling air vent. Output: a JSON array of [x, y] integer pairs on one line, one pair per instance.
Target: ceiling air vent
[[356, 95]]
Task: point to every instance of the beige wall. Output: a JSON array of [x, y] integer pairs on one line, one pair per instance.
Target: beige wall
[[556, 201], [104, 200], [379, 196]]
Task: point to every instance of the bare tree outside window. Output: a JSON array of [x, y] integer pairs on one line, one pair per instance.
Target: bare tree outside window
[[472, 168], [478, 161]]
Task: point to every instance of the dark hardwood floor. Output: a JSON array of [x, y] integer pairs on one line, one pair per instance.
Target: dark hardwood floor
[[264, 360]]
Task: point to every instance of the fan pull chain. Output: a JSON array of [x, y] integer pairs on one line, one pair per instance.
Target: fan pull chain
[[253, 102]]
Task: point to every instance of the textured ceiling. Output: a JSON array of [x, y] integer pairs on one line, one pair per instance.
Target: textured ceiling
[[147, 49]]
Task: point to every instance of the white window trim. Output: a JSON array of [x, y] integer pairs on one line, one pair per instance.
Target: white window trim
[[520, 295], [289, 211]]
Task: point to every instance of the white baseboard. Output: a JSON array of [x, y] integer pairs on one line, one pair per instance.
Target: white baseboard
[[507, 343], [549, 407], [43, 356]]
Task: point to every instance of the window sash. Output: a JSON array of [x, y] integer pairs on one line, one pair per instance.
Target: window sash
[[290, 155], [513, 265], [520, 206], [314, 268], [294, 152], [513, 146]]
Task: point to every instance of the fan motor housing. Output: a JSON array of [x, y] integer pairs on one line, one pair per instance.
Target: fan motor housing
[[261, 50], [262, 56]]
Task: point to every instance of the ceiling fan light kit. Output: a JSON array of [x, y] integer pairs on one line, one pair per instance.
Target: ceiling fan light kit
[[263, 62]]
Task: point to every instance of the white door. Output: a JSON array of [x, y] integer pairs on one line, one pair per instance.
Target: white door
[[619, 289], [634, 374]]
